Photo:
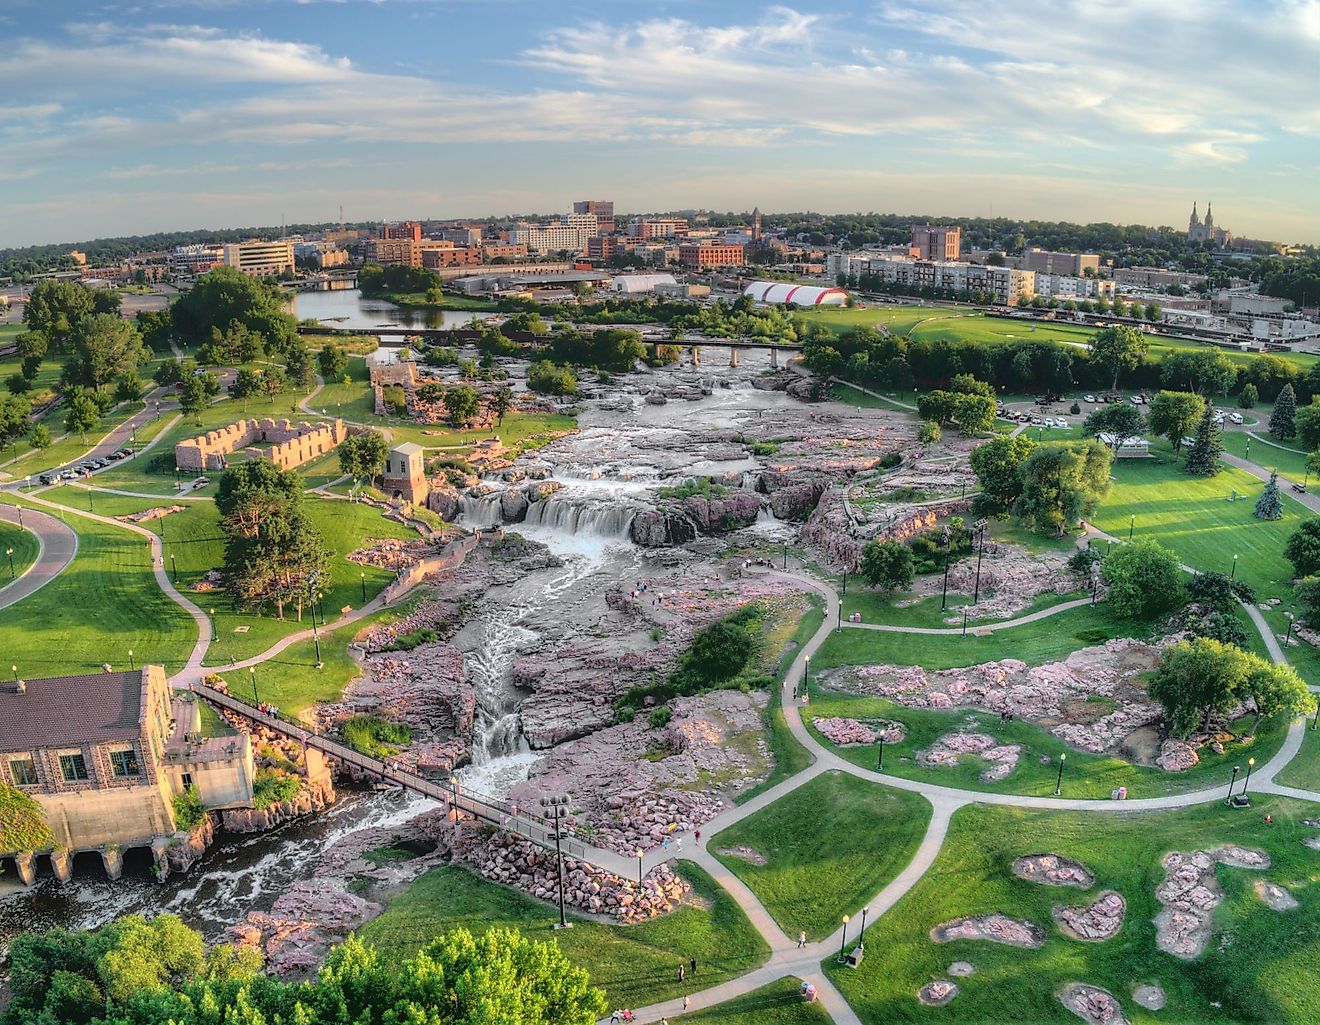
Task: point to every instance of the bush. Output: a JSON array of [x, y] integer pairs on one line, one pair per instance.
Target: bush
[[1144, 579], [412, 639], [375, 737], [1075, 409], [273, 786], [546, 378], [890, 460], [396, 401], [703, 486], [659, 717], [929, 433], [188, 810]]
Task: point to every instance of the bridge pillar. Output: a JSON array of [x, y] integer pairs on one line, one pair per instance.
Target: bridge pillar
[[318, 766], [774, 357], [733, 357], [159, 847], [113, 860], [27, 869], [61, 862], [696, 355]]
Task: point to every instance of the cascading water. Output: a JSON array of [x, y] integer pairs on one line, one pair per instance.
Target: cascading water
[[480, 513], [573, 515]]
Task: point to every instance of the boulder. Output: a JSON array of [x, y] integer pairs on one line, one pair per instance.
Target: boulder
[[513, 506]]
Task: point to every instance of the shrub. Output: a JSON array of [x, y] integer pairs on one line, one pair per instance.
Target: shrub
[[546, 378], [273, 786], [1144, 579], [659, 717], [375, 737], [412, 639], [188, 810], [1075, 409], [890, 460], [929, 433]]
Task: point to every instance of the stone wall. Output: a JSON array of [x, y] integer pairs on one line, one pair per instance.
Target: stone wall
[[282, 442]]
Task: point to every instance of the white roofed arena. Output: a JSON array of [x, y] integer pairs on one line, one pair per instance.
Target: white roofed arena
[[773, 293]]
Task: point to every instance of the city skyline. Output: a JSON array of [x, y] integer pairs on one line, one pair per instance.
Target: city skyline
[[175, 114]]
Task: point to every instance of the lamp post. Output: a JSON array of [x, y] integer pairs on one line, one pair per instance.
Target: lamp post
[[806, 674], [785, 555], [14, 670], [843, 939], [1232, 574], [174, 567], [1247, 457], [556, 806], [10, 553], [316, 637], [1132, 525], [215, 633], [1247, 782], [1287, 637], [131, 664], [964, 633], [1058, 783], [948, 548], [363, 575], [640, 868], [256, 697], [979, 526], [861, 937], [89, 501], [1231, 783], [880, 758], [839, 625]]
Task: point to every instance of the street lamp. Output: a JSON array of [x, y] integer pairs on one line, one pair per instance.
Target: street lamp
[[131, 664], [1132, 525], [556, 809], [843, 939], [1247, 782], [806, 674], [10, 553], [1058, 783], [215, 631], [174, 566], [363, 575], [1287, 637], [964, 633], [256, 697], [948, 548], [839, 627], [880, 758], [1233, 572], [640, 867], [316, 636], [1231, 783], [14, 670], [861, 937]]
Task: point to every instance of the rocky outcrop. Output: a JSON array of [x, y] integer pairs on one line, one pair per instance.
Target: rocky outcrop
[[513, 506], [1092, 1004], [1177, 756], [539, 490], [1275, 896], [1053, 870], [656, 528], [1190, 892], [848, 732], [311, 797], [937, 993], [796, 501], [996, 928], [722, 513], [443, 499], [949, 749], [185, 849], [1095, 922]]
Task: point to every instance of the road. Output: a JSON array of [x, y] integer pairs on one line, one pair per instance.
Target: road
[[58, 545]]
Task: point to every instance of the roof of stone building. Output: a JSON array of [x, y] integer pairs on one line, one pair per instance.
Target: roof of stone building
[[60, 710]]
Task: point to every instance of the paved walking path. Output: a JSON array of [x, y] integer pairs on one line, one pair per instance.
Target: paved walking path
[[57, 545]]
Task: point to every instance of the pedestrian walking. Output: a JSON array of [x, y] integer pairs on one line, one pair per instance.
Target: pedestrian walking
[[692, 965], [802, 939], [681, 972], [698, 836], [686, 1000], [679, 845]]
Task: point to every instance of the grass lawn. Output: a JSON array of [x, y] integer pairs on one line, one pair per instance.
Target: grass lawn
[[775, 1004], [1045, 640], [876, 607], [1193, 516], [789, 756], [1259, 966], [24, 546], [852, 397], [194, 544], [898, 319], [1085, 775], [1304, 770], [830, 846], [1265, 451], [105, 603], [635, 964]]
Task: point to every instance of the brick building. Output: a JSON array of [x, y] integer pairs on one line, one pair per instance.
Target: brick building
[[700, 255], [282, 442], [937, 241]]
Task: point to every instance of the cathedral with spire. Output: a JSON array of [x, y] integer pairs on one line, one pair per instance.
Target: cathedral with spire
[[1205, 231]]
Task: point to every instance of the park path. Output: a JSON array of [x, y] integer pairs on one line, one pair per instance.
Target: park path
[[1305, 498], [57, 545]]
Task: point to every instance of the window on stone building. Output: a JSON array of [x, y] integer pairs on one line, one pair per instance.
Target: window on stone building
[[124, 763], [73, 768], [23, 771]]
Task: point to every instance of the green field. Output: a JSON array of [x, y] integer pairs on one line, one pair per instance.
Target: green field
[[1258, 967], [829, 846], [1266, 452], [1194, 517], [775, 1004], [635, 964], [22, 546], [1085, 775], [1303, 771], [104, 604]]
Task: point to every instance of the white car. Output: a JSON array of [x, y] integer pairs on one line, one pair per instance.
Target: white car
[[1049, 421], [1061, 424], [1235, 417], [1089, 398]]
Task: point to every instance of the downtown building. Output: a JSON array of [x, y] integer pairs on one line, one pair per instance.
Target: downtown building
[[569, 234], [1007, 285]]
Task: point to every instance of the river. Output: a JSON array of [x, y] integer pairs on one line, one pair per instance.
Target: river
[[348, 309]]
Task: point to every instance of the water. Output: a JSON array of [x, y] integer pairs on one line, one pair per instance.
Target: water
[[605, 517], [347, 309], [241, 873]]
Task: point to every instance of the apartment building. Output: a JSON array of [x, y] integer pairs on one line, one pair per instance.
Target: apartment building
[[657, 227], [260, 259], [601, 209], [937, 241], [403, 252], [1070, 286], [568, 235], [404, 230], [1006, 284], [1046, 261], [196, 259]]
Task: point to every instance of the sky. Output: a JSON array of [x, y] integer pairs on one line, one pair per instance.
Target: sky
[[131, 116]]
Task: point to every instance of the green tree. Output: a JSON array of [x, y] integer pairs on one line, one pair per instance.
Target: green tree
[[1153, 311], [103, 347], [1062, 483], [1144, 579], [298, 365], [1175, 414], [1270, 506], [56, 308], [82, 414], [363, 455], [461, 404], [39, 437], [1203, 457], [333, 361], [1197, 678], [1276, 691], [129, 387], [547, 378], [148, 957], [1283, 418], [195, 395], [1203, 371], [32, 347], [1307, 424], [1120, 420], [226, 300], [501, 402], [246, 384], [15, 419], [273, 381], [973, 413], [1117, 349], [18, 384], [887, 565], [997, 465], [1302, 548], [1248, 396], [928, 433]]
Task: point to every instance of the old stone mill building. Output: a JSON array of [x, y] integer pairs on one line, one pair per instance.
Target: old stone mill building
[[104, 756]]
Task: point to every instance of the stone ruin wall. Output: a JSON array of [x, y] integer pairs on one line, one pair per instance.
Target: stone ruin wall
[[284, 443]]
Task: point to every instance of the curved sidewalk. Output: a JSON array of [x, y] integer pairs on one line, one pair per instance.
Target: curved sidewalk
[[58, 544]]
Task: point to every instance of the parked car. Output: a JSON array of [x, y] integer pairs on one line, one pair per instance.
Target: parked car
[[1235, 417], [201, 482], [48, 478], [1135, 400], [1063, 424], [1089, 398]]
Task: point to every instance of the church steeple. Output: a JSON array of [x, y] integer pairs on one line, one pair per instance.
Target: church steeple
[[1209, 219], [1194, 221]]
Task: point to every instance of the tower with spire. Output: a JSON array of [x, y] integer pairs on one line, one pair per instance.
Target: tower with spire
[[1193, 223], [756, 224], [1205, 231]]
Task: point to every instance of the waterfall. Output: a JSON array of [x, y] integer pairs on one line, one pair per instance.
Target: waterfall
[[581, 516], [480, 512]]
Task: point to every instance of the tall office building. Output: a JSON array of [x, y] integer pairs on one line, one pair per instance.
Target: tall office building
[[937, 241], [602, 210]]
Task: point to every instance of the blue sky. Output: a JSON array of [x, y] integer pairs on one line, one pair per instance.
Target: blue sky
[[141, 115]]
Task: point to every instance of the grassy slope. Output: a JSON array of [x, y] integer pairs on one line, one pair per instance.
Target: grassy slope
[[775, 1004], [24, 545], [1258, 968], [105, 603], [635, 964], [830, 846]]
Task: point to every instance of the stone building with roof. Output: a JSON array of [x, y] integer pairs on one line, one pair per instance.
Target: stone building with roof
[[104, 755]]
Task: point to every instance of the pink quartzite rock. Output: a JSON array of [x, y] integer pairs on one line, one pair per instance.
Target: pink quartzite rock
[[1053, 870], [996, 928], [938, 993], [1095, 922], [1092, 1004], [1190, 892]]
